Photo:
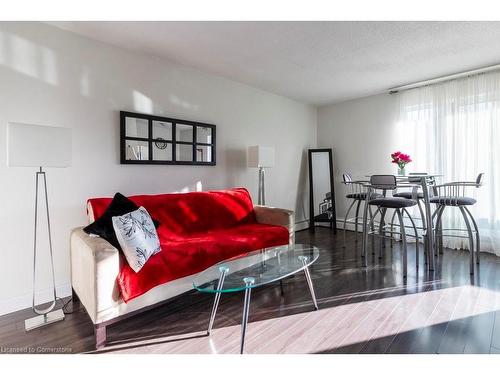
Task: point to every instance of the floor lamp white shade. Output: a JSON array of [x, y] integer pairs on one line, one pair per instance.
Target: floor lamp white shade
[[39, 146], [260, 157]]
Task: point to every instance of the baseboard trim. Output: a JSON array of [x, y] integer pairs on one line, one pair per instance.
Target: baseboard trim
[[301, 225], [304, 224], [22, 302]]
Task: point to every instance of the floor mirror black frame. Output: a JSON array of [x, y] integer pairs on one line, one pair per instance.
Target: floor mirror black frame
[[322, 217]]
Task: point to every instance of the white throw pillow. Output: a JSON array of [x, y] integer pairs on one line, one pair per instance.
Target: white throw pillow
[[136, 234]]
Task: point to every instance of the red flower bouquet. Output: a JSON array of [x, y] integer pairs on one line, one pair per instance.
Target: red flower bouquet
[[401, 160]]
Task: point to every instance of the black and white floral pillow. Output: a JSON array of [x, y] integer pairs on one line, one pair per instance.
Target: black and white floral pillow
[[136, 234]]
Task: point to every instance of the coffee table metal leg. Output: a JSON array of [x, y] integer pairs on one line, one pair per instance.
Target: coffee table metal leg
[[303, 259], [246, 309], [223, 272]]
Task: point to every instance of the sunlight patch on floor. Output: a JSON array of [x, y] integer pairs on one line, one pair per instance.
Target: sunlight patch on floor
[[334, 327]]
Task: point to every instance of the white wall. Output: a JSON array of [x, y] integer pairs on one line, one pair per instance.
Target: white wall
[[362, 135], [52, 77]]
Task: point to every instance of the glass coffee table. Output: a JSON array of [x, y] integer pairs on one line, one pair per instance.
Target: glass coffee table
[[254, 269]]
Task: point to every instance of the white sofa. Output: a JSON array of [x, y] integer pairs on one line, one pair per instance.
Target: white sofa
[[95, 265]]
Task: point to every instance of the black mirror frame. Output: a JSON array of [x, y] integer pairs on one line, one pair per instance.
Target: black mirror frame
[[312, 219], [174, 142]]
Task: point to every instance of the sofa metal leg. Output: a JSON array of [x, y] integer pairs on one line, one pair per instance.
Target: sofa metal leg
[[100, 335]]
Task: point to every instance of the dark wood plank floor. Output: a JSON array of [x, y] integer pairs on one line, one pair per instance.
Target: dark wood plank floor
[[362, 310]]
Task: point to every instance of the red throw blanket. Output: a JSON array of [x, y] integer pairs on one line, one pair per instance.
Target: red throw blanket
[[197, 230]]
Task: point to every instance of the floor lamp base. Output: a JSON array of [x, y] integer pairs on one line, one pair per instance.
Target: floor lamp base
[[43, 320]]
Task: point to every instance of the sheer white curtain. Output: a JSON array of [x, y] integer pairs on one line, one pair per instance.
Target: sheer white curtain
[[452, 128]]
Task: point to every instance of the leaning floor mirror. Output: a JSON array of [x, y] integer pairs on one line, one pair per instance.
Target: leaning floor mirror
[[321, 190]]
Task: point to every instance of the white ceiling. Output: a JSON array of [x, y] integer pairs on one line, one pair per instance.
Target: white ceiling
[[313, 62]]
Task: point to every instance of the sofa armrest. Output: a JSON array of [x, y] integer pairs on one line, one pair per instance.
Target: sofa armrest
[[276, 216], [95, 265]]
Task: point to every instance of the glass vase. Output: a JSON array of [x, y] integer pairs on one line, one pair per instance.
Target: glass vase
[[401, 171]]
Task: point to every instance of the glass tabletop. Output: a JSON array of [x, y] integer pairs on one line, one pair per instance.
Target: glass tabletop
[[417, 178], [256, 268], [414, 176]]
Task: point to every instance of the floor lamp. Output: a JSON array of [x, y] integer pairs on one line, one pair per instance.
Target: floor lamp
[[260, 157], [40, 146]]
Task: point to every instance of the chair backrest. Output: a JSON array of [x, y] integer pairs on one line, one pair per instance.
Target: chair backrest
[[479, 179], [347, 177], [383, 181]]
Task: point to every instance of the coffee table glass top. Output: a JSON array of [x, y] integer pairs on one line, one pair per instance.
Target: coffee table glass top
[[256, 268]]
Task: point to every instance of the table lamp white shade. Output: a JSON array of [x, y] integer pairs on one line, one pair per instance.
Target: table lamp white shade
[[260, 157], [31, 145]]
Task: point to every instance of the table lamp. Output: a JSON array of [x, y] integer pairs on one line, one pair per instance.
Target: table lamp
[[260, 157], [40, 146]]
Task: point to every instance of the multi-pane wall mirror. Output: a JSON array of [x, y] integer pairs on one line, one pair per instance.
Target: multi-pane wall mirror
[[147, 139]]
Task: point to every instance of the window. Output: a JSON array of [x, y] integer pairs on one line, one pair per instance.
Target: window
[[453, 129]]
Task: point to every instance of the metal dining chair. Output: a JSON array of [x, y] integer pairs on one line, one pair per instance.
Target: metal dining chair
[[386, 183], [414, 178], [357, 192], [453, 194]]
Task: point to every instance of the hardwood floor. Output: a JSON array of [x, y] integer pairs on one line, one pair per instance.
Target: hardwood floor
[[362, 310]]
